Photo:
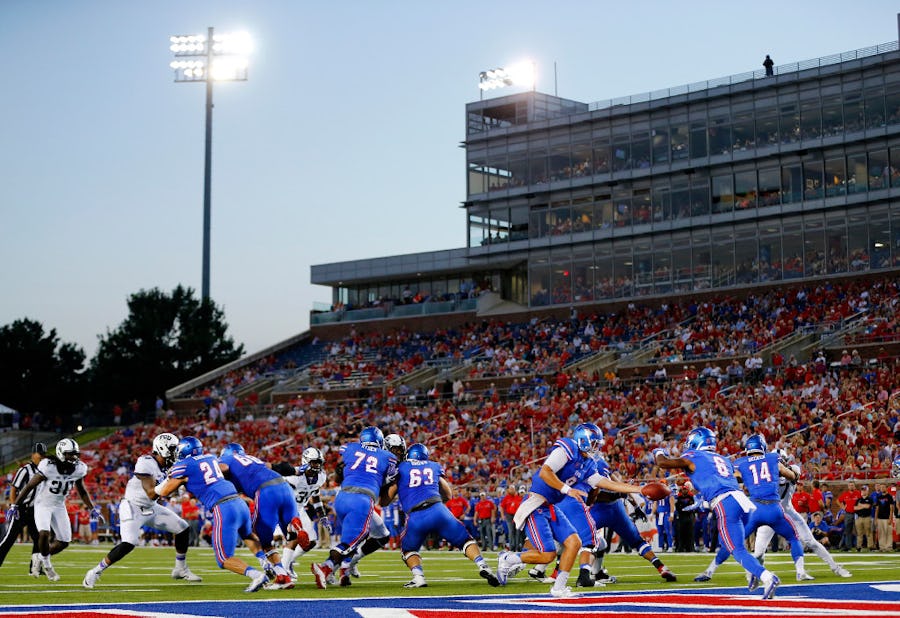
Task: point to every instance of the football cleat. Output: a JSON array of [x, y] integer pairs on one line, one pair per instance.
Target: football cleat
[[584, 579], [185, 574], [507, 566], [803, 576], [603, 577], [705, 576], [667, 575], [536, 573], [354, 570], [321, 573], [90, 578], [282, 582], [258, 582], [753, 583], [331, 580], [418, 581], [51, 573], [769, 590], [36, 565], [842, 572], [489, 576], [562, 593], [345, 576]]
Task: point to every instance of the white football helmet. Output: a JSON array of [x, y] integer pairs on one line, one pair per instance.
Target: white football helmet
[[396, 445], [313, 458], [166, 446], [67, 450]]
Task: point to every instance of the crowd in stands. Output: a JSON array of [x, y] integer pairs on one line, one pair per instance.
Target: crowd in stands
[[722, 327]]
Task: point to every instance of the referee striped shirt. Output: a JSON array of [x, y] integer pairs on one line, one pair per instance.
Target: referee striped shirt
[[23, 475]]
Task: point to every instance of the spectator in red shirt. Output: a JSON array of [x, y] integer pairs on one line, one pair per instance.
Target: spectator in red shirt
[[458, 505], [508, 505], [802, 499], [847, 501], [485, 509], [817, 498], [191, 514]]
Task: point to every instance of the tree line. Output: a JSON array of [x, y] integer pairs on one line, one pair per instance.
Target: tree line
[[166, 339]]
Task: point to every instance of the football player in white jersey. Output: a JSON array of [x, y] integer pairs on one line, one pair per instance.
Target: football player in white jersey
[[54, 480], [139, 508], [307, 481], [764, 534]]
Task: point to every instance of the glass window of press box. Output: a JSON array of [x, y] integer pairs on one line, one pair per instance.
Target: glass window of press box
[[815, 244]]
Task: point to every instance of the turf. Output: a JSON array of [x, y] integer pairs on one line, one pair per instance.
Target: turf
[[144, 575]]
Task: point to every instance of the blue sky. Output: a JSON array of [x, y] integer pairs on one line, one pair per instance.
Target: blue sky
[[343, 144]]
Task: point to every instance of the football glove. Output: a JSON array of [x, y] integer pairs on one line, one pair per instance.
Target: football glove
[[658, 451], [327, 526], [638, 514], [13, 513], [97, 514]]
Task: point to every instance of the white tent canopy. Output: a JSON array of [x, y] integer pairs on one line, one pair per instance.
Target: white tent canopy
[[5, 409]]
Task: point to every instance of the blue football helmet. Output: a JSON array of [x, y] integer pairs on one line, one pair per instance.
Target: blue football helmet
[[231, 449], [700, 439], [189, 446], [756, 444], [371, 436], [417, 452], [588, 437], [895, 467]]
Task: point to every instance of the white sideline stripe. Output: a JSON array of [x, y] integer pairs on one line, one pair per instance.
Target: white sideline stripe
[[382, 612], [887, 587], [121, 612], [465, 598]]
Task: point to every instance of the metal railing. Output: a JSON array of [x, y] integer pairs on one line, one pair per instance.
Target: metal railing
[[738, 78], [392, 310]]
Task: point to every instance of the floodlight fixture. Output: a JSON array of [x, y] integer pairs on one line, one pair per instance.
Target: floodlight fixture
[[520, 74], [209, 58]]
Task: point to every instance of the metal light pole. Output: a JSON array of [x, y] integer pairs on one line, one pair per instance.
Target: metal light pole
[[214, 58]]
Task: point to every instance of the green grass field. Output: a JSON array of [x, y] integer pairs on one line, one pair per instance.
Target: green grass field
[[144, 575]]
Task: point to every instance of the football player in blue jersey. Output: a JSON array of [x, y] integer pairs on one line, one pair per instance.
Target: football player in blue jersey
[[274, 505], [663, 514], [713, 476], [422, 490], [760, 472], [545, 524], [589, 438], [203, 478], [368, 470], [606, 510], [379, 530]]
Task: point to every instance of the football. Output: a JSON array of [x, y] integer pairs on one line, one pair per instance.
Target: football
[[654, 490]]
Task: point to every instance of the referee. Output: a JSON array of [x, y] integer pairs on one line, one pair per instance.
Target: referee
[[26, 514]]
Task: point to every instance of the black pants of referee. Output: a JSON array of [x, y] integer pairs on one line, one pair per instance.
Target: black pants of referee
[[26, 518]]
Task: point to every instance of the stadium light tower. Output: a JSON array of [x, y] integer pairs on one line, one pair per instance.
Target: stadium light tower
[[209, 58], [521, 74]]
